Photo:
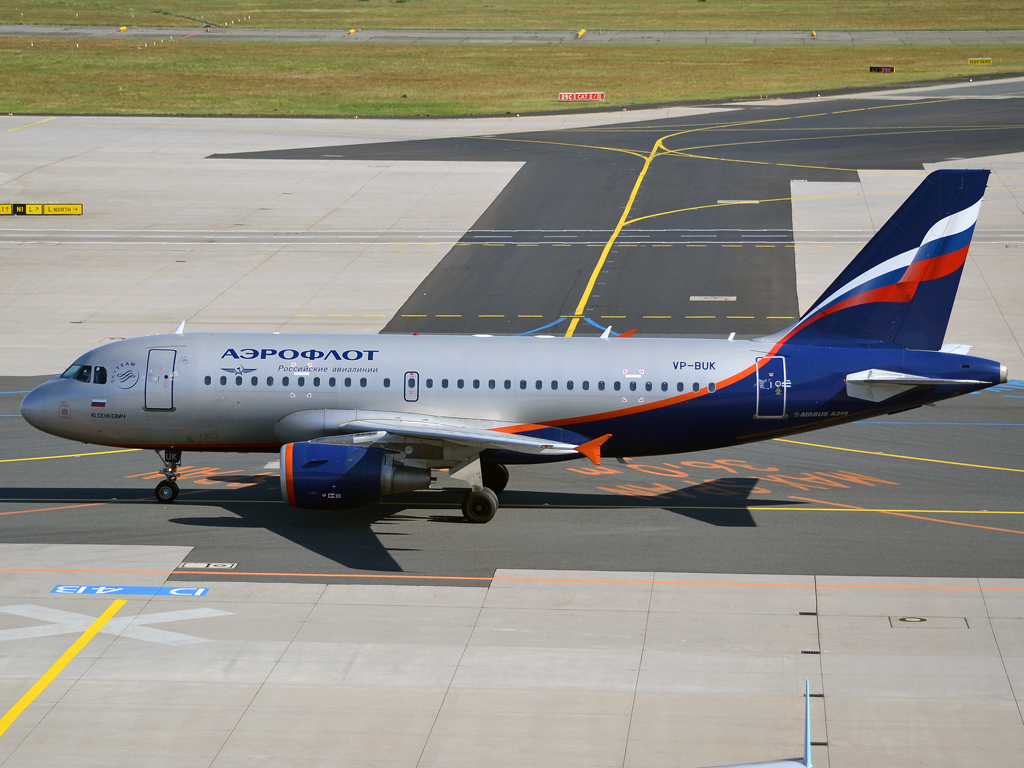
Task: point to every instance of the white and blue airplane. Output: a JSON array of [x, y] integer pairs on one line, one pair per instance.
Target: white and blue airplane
[[356, 418]]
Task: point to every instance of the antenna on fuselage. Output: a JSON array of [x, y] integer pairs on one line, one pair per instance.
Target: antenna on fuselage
[[731, 336], [181, 328], [607, 333]]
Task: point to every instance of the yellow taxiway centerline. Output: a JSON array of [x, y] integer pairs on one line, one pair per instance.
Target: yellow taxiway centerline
[[898, 456], [71, 455], [51, 674]]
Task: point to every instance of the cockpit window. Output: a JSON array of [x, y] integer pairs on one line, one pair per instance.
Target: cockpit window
[[99, 376], [79, 373]]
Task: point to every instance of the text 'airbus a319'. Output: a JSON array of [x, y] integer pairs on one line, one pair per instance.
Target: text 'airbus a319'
[[356, 418]]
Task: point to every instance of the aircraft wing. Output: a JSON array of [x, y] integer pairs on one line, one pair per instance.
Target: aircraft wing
[[470, 437], [448, 437]]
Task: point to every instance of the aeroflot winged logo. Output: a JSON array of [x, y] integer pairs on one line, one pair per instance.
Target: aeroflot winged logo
[[238, 370], [291, 354]]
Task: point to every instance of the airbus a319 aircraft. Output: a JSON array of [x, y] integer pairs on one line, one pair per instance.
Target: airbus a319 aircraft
[[356, 418]]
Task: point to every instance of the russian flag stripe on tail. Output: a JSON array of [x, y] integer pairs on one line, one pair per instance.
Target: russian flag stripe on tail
[[900, 288]]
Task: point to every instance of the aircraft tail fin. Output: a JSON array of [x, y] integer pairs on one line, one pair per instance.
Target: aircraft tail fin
[[900, 288]]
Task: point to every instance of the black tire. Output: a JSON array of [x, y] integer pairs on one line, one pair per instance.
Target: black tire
[[480, 506], [495, 476], [166, 492]]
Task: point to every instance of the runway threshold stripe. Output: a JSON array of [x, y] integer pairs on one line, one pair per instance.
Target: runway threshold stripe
[[58, 666], [897, 456], [539, 579], [915, 517]]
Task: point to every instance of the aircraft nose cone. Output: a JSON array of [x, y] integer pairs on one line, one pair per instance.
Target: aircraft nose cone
[[36, 406]]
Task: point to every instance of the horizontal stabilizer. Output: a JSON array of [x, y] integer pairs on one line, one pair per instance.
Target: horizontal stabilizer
[[877, 385]]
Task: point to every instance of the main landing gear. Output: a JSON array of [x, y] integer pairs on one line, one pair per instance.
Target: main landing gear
[[480, 504], [166, 491]]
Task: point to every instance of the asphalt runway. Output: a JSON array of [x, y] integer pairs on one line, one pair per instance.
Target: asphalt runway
[[931, 492]]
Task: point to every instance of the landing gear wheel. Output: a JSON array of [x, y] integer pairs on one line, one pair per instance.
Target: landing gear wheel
[[480, 506], [495, 476], [166, 491]]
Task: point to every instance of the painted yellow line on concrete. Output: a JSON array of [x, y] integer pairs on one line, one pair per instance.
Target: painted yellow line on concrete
[[700, 317], [413, 315], [70, 455], [780, 317], [490, 315], [447, 315], [657, 317], [51, 674], [898, 456], [739, 317], [351, 315], [29, 125], [692, 245], [764, 246], [530, 315]]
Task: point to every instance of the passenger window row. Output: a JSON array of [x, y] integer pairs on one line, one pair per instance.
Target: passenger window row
[[300, 381]]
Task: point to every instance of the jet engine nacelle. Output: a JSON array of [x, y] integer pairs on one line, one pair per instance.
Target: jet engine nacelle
[[326, 476]]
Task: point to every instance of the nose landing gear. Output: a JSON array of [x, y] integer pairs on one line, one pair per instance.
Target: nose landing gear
[[166, 491]]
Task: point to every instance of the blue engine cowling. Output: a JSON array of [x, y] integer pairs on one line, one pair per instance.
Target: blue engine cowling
[[326, 476]]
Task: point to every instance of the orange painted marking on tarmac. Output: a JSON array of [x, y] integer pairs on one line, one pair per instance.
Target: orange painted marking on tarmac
[[915, 517], [51, 509], [518, 578]]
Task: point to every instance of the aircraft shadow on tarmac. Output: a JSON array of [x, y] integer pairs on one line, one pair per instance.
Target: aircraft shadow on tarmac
[[348, 537]]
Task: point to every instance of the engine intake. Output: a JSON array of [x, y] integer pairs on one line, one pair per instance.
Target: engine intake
[[325, 476]]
